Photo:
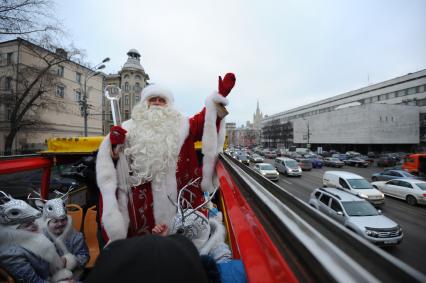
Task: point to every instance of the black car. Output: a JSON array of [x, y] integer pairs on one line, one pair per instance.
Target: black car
[[357, 162], [333, 162], [243, 159], [386, 161]]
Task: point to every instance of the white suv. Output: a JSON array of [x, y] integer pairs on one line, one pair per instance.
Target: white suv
[[358, 215]]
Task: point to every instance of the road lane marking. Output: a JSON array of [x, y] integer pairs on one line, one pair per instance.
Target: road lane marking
[[285, 181]]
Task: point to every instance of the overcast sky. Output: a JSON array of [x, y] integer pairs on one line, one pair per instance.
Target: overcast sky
[[284, 53]]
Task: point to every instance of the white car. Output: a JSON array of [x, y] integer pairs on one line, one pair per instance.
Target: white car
[[353, 184], [411, 190], [267, 170]]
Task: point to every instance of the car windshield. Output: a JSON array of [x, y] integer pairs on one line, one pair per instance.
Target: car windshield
[[359, 208], [242, 157], [406, 174], [266, 167], [292, 164], [334, 159], [422, 186], [359, 184]]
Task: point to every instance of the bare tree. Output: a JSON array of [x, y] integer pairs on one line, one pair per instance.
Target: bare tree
[[27, 18], [34, 87]]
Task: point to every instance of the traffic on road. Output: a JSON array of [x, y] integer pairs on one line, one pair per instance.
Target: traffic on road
[[389, 213]]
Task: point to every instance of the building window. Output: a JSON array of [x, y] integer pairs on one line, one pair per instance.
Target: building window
[[383, 97], [77, 95], [126, 76], [78, 77], [421, 102], [126, 100], [421, 88], [9, 58], [60, 72], [137, 87], [374, 98], [411, 90], [60, 91], [126, 87], [8, 83], [400, 93], [126, 114], [137, 98], [391, 95]]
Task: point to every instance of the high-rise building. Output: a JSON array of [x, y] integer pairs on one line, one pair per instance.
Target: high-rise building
[[257, 118]]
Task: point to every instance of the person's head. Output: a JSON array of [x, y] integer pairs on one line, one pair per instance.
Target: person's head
[[57, 226], [156, 101], [17, 214], [149, 258], [157, 96], [154, 139]]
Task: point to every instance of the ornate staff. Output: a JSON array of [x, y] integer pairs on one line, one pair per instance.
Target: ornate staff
[[113, 94]]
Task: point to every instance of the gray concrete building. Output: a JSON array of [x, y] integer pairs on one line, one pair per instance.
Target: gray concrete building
[[390, 115]]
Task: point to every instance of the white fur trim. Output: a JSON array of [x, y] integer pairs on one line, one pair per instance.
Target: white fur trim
[[210, 140], [113, 220], [62, 274], [222, 136], [71, 261], [164, 210], [155, 90], [35, 242], [60, 240], [217, 236]]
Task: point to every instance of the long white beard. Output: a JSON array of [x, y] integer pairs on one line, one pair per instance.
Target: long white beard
[[153, 142]]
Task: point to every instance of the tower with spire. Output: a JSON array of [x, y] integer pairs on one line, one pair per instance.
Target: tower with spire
[[257, 118], [131, 79]]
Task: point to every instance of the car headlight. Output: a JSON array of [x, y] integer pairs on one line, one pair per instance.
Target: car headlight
[[371, 233], [382, 195], [363, 195], [263, 173]]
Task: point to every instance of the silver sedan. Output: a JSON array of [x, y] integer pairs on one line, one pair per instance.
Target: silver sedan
[[411, 190]]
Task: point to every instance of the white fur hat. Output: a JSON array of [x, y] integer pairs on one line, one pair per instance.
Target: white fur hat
[[155, 90]]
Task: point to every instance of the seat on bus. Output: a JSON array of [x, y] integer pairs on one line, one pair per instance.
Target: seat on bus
[[76, 212], [90, 233]]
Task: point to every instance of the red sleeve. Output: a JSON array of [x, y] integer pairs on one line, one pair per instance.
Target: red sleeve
[[196, 125]]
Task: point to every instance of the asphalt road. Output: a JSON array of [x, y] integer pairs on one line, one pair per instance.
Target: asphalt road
[[412, 219]]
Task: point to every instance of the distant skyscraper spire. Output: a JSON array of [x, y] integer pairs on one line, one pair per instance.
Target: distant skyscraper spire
[[257, 117]]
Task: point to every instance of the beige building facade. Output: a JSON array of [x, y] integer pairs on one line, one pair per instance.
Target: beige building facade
[[57, 113], [131, 80]]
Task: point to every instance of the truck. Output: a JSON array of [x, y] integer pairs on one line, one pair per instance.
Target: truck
[[415, 164]]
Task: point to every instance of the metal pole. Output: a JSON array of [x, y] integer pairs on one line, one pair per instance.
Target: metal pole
[[84, 106]]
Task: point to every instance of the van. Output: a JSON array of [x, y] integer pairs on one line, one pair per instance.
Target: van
[[415, 164], [287, 166], [354, 184]]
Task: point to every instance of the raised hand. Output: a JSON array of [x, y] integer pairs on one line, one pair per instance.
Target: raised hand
[[226, 85], [117, 135]]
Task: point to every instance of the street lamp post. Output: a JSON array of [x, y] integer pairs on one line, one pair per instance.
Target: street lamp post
[[83, 101]]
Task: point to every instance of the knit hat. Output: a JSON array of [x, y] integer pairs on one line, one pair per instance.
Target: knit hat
[[154, 91], [149, 258]]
